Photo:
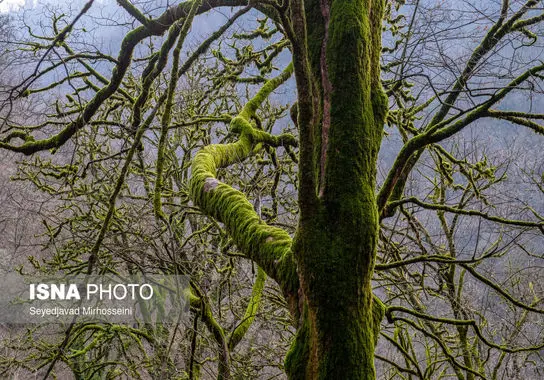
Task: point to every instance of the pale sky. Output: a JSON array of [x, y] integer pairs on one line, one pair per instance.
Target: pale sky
[[14, 5], [10, 5]]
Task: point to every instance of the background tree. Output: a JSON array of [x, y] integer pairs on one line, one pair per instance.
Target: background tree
[[137, 137]]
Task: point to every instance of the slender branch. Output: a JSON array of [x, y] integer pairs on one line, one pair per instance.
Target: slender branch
[[251, 311], [154, 27], [456, 210], [167, 115], [460, 322], [135, 12]]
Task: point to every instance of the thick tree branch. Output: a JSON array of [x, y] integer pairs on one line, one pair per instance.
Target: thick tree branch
[[269, 247]]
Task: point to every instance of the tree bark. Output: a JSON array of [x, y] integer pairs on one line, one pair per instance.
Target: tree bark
[[326, 271], [335, 245]]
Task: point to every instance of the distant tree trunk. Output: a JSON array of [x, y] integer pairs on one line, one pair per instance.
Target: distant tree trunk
[[340, 114]]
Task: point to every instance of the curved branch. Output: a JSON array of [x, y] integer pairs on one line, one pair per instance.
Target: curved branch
[[518, 118], [500, 290], [455, 210], [411, 152], [460, 322], [269, 247]]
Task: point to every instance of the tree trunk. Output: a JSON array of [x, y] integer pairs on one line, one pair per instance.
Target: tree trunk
[[335, 244]]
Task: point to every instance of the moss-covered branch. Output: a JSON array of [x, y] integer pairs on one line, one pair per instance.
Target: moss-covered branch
[[139, 129], [200, 301], [519, 118], [439, 127], [251, 311], [460, 211], [269, 247], [411, 151], [460, 322]]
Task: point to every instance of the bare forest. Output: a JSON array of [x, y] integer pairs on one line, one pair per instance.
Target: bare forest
[[355, 189]]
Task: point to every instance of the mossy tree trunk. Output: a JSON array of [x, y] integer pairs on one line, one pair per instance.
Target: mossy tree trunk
[[341, 113], [326, 271]]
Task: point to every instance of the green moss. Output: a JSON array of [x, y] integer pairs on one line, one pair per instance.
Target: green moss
[[251, 310], [269, 247], [167, 114], [336, 247], [298, 357], [251, 106], [378, 312]]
